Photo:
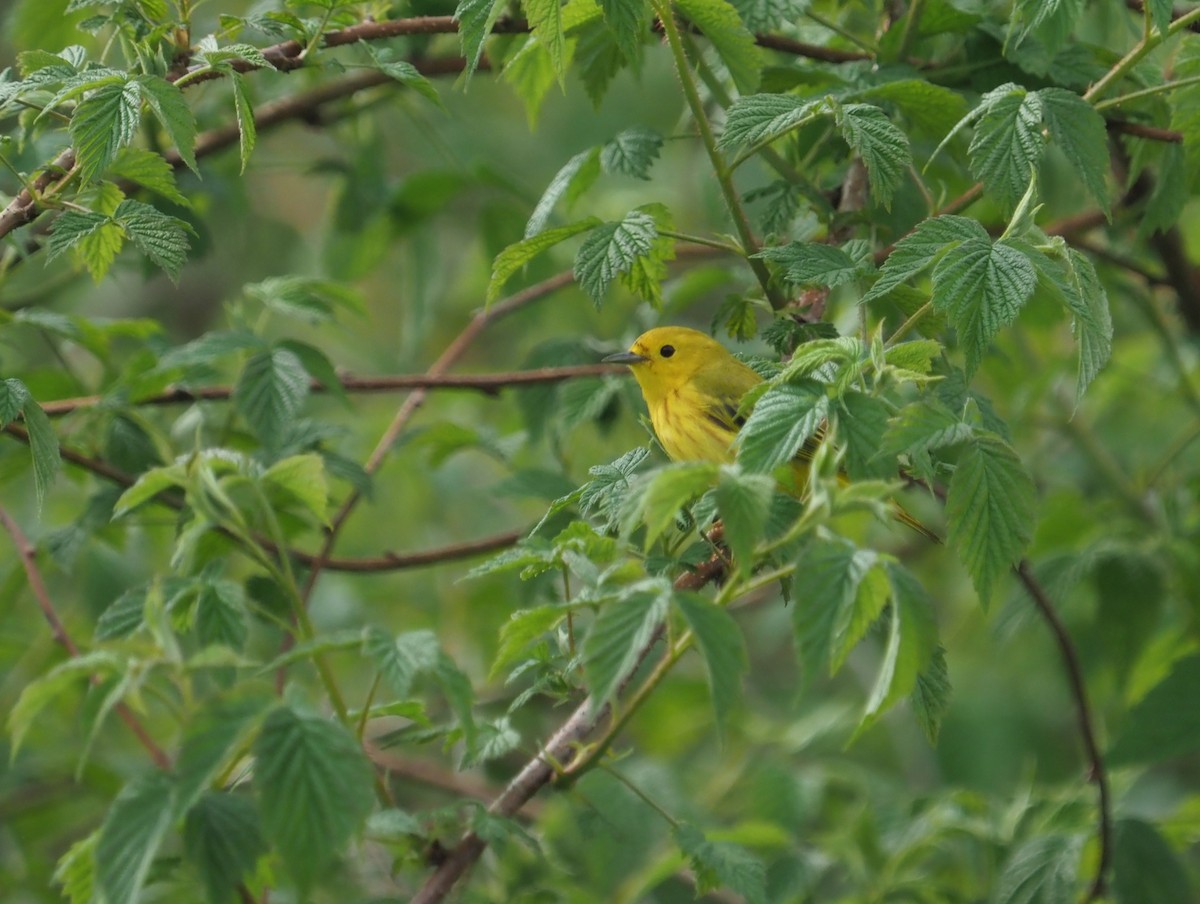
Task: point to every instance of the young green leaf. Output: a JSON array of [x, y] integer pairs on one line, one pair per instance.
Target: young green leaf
[[160, 237], [1088, 302], [270, 392], [221, 616], [912, 638], [522, 628], [314, 786], [813, 263], [401, 659], [575, 177], [1076, 127], [166, 102], [223, 839], [1008, 143], [131, 834], [1041, 870], [147, 169], [991, 510], [665, 492], [720, 864], [982, 286], [244, 111], [1164, 723], [784, 419], [517, 255], [720, 23], [743, 502], [617, 640], [631, 153], [104, 122], [546, 19], [612, 249], [475, 20], [761, 118], [723, 648], [298, 480], [922, 247], [932, 108], [76, 870], [43, 446], [215, 737], [882, 146]]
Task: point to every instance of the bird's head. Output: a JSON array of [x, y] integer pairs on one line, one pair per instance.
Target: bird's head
[[667, 357]]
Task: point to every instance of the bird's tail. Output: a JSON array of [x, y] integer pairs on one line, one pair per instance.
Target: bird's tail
[[902, 515]]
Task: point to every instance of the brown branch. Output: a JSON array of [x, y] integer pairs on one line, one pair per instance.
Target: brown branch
[[541, 770], [28, 554], [1096, 770], [1181, 274], [1136, 129], [489, 384]]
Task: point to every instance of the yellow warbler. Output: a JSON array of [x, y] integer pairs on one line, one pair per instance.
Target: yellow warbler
[[693, 387]]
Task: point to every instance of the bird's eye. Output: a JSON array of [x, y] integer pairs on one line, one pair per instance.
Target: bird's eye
[[667, 351]]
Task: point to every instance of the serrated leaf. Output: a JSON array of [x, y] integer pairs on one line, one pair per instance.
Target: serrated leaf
[[300, 479], [160, 237], [916, 356], [314, 786], [575, 177], [522, 628], [1052, 21], [743, 502], [76, 870], [981, 287], [768, 15], [221, 616], [1092, 322], [1008, 143], [14, 396], [1042, 870], [147, 169], [921, 427], [223, 840], [615, 642], [517, 255], [215, 737], [882, 146], [132, 832], [612, 249], [626, 20], [171, 110], [825, 588], [813, 263], [460, 696], [244, 111], [723, 864], [631, 153], [1163, 724], [862, 421], [761, 118], [71, 228], [1080, 133], [666, 491], [545, 19], [784, 419], [406, 74], [1185, 110], [934, 109], [148, 485], [1146, 870], [104, 122], [931, 696], [401, 659], [912, 638], [270, 392], [720, 23], [723, 648], [990, 511], [43, 446], [917, 251]]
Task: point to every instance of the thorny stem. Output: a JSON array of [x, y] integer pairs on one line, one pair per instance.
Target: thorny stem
[[1149, 41], [1147, 92]]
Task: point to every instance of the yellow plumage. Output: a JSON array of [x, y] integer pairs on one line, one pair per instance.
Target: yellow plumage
[[693, 387]]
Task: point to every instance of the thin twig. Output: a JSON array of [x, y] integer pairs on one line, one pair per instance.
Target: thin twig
[[28, 555], [1096, 770], [1138, 130]]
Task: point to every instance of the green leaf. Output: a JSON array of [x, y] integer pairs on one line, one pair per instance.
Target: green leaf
[[37, 694], [314, 787], [916, 356], [546, 21], [14, 395], [160, 237], [922, 247], [299, 479], [171, 110], [720, 23], [861, 422], [922, 427], [1145, 868], [646, 274], [611, 250], [405, 73], [784, 419], [744, 502], [991, 510], [626, 20], [761, 118], [1077, 129], [723, 648], [933, 109], [149, 485], [307, 298], [517, 255], [720, 864], [147, 169], [1165, 723], [475, 20], [1051, 20], [769, 15], [931, 696], [216, 737], [981, 286], [244, 111], [270, 392], [826, 590], [575, 177], [456, 688], [665, 492], [813, 263], [1008, 143], [76, 870], [617, 639], [71, 229], [223, 839], [631, 153], [43, 446], [1042, 870], [401, 659], [881, 145], [132, 832], [1185, 110], [522, 628], [104, 122], [1088, 302], [1161, 13]]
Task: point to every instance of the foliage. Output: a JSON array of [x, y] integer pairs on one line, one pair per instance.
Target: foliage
[[243, 654]]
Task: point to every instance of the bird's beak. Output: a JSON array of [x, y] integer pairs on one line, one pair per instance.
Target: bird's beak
[[625, 358]]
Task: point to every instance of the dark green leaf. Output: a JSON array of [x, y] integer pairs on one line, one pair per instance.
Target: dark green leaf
[[149, 170], [314, 787], [912, 638], [160, 237], [244, 111], [13, 397], [43, 446], [298, 481], [516, 256], [813, 263], [270, 392], [1042, 870], [631, 153], [761, 118], [611, 250], [720, 864], [921, 248], [475, 20], [991, 510], [401, 659], [743, 502], [166, 102], [71, 228], [1145, 868], [723, 648], [826, 588], [922, 427], [576, 176], [132, 832], [768, 15], [931, 697], [223, 839], [617, 640], [934, 109], [720, 23], [861, 422], [1165, 723], [881, 145], [1077, 129], [782, 421], [522, 628], [1008, 143], [216, 737]]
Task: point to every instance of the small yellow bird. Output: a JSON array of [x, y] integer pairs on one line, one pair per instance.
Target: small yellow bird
[[693, 387]]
